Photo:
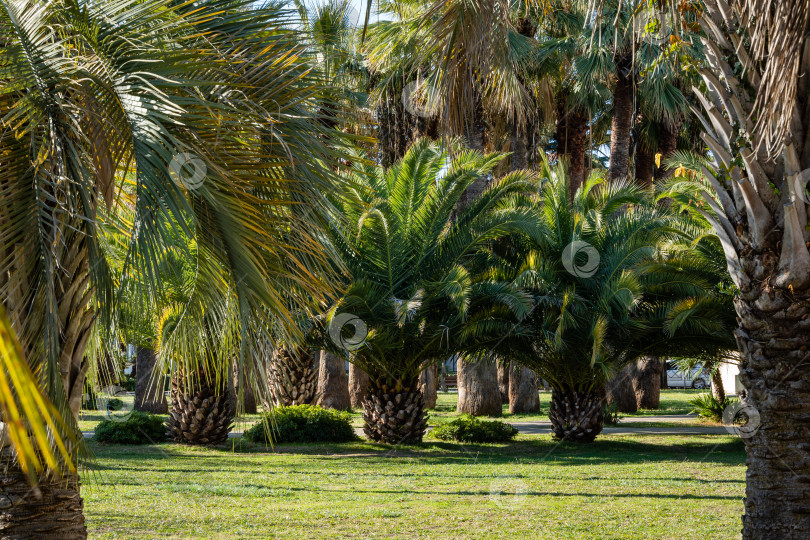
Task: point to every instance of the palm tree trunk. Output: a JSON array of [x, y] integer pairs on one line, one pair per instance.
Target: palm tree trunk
[[524, 396], [717, 386], [333, 384], [478, 392], [620, 391], [571, 134], [202, 413], [293, 376], [53, 510], [394, 412], [667, 146], [249, 405], [429, 386], [358, 386], [149, 394], [503, 380], [623, 109], [576, 416], [647, 382], [645, 164]]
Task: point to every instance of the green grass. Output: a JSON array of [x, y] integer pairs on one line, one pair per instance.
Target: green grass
[[629, 487]]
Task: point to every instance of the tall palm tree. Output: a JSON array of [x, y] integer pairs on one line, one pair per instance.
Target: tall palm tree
[[147, 108], [414, 288]]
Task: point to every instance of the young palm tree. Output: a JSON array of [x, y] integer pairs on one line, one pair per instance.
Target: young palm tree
[[597, 305], [117, 113], [414, 292]]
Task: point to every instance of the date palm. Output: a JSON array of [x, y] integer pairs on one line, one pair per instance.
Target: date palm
[[416, 284], [133, 115]]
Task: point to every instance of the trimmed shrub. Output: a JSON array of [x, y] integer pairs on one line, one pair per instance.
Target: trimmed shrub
[[473, 430], [709, 407], [139, 428], [303, 423]]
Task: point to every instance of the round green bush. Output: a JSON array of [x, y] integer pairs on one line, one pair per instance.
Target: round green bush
[[303, 423], [473, 430], [138, 428]]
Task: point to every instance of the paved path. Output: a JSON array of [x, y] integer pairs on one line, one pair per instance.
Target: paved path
[[625, 426]]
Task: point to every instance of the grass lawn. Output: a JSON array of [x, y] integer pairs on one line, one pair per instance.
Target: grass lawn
[[628, 487]]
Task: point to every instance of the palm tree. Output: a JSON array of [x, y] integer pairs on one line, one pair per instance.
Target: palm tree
[[414, 295], [597, 306], [146, 109]]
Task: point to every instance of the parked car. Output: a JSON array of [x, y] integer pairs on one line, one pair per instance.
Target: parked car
[[694, 378]]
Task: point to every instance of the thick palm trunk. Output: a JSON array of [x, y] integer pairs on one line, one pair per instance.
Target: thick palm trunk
[[623, 109], [202, 413], [576, 416], [293, 377], [571, 134], [358, 386], [620, 391], [429, 386], [394, 412], [149, 394], [333, 384], [647, 382], [503, 380], [58, 514], [524, 396], [478, 392], [53, 510], [667, 146]]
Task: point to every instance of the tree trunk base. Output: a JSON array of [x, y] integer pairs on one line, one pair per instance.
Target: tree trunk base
[[524, 395], [394, 413], [293, 377], [576, 416], [620, 391], [429, 386], [478, 392], [50, 511], [204, 417], [647, 382]]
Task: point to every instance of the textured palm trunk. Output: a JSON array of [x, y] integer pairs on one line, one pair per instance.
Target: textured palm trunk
[[333, 383], [623, 109], [394, 412], [524, 395], [620, 392], [60, 507], [503, 380], [478, 392], [718, 391], [202, 413], [149, 394], [249, 405], [571, 134], [429, 386], [647, 382], [53, 510], [293, 376], [576, 416], [358, 386]]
